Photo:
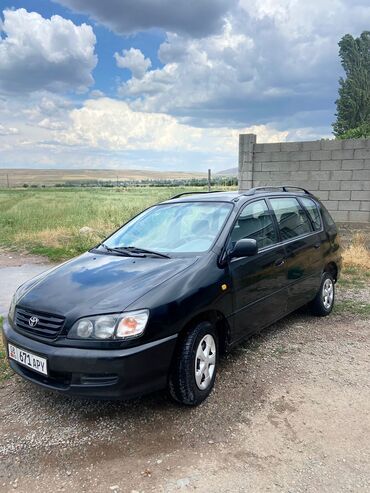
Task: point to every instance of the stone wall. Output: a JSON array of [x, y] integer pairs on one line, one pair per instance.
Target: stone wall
[[336, 171]]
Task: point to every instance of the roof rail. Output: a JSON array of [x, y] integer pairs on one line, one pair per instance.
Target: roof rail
[[192, 193], [284, 188]]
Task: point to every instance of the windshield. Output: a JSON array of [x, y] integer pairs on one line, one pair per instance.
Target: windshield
[[185, 227]]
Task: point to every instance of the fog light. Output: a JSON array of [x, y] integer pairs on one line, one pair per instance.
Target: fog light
[[84, 328], [104, 327]]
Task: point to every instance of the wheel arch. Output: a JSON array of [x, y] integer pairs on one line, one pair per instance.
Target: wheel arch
[[217, 319], [332, 268]]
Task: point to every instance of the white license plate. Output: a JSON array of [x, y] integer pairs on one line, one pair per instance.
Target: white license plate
[[28, 359]]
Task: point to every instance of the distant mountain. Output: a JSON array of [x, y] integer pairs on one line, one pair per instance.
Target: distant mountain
[[229, 172]]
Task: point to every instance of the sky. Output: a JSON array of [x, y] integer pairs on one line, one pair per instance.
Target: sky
[[165, 84]]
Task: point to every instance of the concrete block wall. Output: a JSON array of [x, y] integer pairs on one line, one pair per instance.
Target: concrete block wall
[[336, 171]]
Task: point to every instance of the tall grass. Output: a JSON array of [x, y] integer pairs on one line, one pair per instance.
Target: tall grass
[[48, 221], [357, 254]]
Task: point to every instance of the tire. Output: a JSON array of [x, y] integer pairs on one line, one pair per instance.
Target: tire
[[323, 302], [188, 385]]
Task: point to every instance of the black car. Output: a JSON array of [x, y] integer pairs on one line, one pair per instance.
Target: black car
[[158, 301]]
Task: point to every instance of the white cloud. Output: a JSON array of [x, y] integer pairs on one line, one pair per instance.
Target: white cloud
[[191, 17], [8, 130], [195, 73], [270, 61], [107, 133], [269, 67], [38, 53], [51, 124], [134, 60], [96, 93], [110, 124]]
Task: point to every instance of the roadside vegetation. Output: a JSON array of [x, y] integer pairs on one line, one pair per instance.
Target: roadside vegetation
[[356, 263], [355, 278], [49, 221]]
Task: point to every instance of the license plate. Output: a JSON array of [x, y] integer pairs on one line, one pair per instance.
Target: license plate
[[28, 359]]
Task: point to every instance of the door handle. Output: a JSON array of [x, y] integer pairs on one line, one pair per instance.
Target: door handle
[[279, 262], [317, 245]]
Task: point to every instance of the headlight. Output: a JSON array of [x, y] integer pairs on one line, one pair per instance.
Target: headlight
[[116, 326], [13, 304]]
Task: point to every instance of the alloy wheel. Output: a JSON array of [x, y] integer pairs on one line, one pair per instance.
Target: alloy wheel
[[205, 361], [327, 293]]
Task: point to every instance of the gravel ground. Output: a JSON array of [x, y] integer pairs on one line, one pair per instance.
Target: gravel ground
[[290, 412]]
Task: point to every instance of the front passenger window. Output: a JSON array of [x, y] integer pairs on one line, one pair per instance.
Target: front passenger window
[[255, 222]]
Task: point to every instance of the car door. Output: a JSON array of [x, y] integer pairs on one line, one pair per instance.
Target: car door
[[302, 245], [259, 282]]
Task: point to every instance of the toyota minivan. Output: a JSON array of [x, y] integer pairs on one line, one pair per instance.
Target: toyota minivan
[[156, 303]]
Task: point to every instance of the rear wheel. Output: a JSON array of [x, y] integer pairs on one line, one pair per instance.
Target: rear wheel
[[323, 303], [194, 369]]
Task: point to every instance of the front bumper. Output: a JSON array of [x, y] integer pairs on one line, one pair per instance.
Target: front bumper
[[97, 373]]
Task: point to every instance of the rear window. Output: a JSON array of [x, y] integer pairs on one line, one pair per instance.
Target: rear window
[[292, 219], [313, 212], [328, 220]]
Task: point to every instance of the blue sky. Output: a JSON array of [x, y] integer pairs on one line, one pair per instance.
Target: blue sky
[[163, 84]]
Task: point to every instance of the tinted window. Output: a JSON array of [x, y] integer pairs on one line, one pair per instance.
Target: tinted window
[[292, 219], [255, 222], [328, 220], [313, 212]]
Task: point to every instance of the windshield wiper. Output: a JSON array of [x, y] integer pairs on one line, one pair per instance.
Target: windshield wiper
[[117, 250], [132, 251], [143, 250]]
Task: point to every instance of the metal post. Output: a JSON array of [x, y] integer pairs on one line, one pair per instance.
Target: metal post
[[209, 180]]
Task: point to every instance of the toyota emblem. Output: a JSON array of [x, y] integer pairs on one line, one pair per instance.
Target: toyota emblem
[[33, 321]]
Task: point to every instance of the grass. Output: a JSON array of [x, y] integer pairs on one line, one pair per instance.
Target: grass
[[356, 263], [352, 308], [354, 277], [357, 254], [47, 221]]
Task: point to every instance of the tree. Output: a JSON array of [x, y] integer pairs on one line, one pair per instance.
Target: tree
[[353, 104]]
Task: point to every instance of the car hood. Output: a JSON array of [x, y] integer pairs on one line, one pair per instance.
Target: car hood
[[96, 283]]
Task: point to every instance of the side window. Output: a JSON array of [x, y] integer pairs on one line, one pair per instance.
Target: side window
[[313, 212], [291, 218], [255, 222], [328, 220]]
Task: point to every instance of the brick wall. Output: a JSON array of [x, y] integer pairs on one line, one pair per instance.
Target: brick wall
[[336, 171]]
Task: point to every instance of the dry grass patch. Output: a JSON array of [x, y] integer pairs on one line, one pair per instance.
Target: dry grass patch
[[49, 237], [58, 237], [357, 254]]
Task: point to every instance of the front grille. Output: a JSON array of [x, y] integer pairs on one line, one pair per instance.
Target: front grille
[[47, 327]]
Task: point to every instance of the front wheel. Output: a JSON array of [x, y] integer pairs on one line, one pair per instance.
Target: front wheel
[[323, 302], [194, 369]]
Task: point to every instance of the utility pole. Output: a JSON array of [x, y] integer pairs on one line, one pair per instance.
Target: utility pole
[[209, 180], [7, 180]]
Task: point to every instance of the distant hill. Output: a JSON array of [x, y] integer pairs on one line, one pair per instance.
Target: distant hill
[[229, 172], [50, 177]]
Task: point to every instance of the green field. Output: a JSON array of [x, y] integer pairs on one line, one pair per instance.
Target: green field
[[47, 221]]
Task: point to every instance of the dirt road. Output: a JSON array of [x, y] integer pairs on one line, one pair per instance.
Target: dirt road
[[290, 412]]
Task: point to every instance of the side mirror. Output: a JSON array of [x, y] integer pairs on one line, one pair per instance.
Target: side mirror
[[244, 248]]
